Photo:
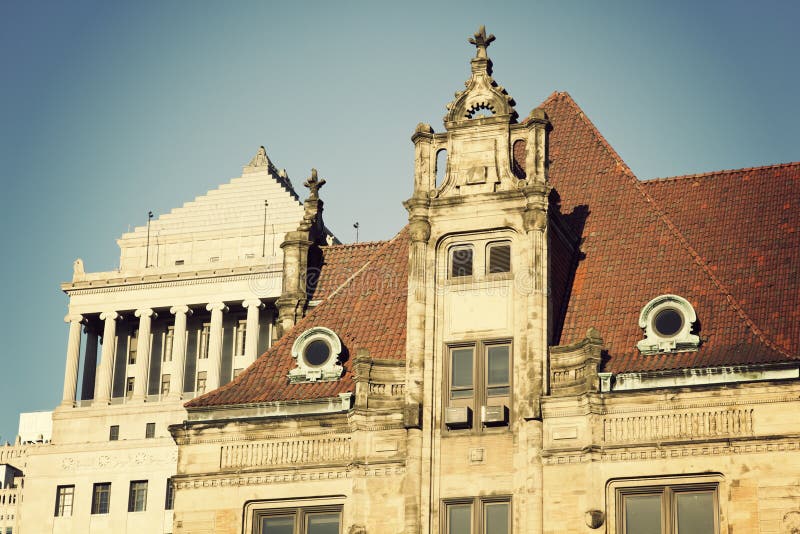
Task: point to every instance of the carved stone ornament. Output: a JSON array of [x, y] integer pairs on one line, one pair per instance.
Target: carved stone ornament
[[316, 352], [260, 159], [667, 321], [78, 274], [595, 519], [791, 523], [313, 183]]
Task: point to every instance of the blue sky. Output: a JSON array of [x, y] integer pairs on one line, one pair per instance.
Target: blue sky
[[111, 109]]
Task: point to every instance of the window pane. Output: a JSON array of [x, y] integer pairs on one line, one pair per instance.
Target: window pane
[[278, 525], [496, 518], [695, 512], [322, 523], [500, 259], [461, 262], [458, 519], [498, 366], [643, 514], [461, 375]]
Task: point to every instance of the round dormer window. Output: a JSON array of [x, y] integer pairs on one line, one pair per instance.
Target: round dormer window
[[316, 352], [667, 322]]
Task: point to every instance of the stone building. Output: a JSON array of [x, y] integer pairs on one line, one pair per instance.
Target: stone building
[[550, 346], [191, 305]]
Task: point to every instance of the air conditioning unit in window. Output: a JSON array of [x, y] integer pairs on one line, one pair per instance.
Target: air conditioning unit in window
[[458, 417], [494, 415]]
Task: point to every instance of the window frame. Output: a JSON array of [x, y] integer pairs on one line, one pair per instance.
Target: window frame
[[65, 500], [133, 346], [197, 381], [169, 495], [150, 430], [136, 488], [169, 340], [130, 384], [450, 265], [667, 488], [166, 380], [96, 504], [488, 256], [113, 433], [299, 514], [480, 384], [203, 338], [477, 512]]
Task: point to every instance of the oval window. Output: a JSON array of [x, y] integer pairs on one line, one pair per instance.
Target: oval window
[[317, 353], [668, 322]]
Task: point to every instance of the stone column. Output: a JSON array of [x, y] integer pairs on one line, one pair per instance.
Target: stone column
[[73, 359], [253, 307], [215, 345], [89, 363], [141, 379], [178, 350], [104, 379]]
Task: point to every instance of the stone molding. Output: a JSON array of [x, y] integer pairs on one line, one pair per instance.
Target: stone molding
[[269, 453], [162, 281], [697, 424]]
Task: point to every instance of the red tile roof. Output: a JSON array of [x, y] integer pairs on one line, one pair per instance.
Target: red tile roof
[[632, 252], [728, 242], [367, 311]]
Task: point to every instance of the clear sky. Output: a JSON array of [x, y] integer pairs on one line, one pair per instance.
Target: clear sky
[[111, 109]]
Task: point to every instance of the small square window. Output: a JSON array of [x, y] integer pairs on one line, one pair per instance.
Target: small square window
[[101, 497], [64, 498], [237, 372], [137, 497], [150, 430], [460, 262], [113, 433]]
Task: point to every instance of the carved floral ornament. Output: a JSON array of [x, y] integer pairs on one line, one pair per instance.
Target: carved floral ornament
[[316, 352], [667, 321]]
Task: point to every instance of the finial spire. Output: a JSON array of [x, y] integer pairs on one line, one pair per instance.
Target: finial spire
[[313, 184], [481, 41]]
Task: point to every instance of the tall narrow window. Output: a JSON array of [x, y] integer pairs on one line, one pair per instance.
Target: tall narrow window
[[113, 433], [133, 346], [203, 345], [241, 334], [150, 431], [129, 383], [137, 497], [101, 497], [165, 383], [441, 167], [201, 382], [498, 376], [498, 257], [64, 497], [169, 338], [169, 500], [460, 262], [462, 372]]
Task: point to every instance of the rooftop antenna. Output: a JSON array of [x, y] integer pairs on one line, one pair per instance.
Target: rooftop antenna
[[264, 244], [147, 253], [356, 227]]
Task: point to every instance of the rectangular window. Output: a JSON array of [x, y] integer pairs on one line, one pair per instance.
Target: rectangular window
[[150, 430], [169, 501], [477, 516], [305, 520], [203, 345], [237, 372], [101, 497], [241, 334], [137, 497], [499, 257], [113, 433], [133, 346], [169, 339], [129, 383], [481, 385], [64, 497], [165, 382], [668, 509], [460, 261], [201, 382]]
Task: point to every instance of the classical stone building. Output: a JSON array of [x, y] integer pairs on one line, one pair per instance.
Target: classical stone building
[[550, 346], [191, 305]]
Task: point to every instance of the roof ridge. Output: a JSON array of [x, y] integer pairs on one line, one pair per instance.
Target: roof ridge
[[698, 259], [721, 172], [360, 244]]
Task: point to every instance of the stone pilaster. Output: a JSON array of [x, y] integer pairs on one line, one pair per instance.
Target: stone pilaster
[[215, 344], [142, 373], [253, 306], [178, 350], [89, 362], [106, 375], [73, 359]]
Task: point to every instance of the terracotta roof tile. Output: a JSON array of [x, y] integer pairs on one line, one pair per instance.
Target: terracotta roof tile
[[367, 311]]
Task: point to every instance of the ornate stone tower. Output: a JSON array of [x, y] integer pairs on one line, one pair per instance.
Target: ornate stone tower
[[477, 306]]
